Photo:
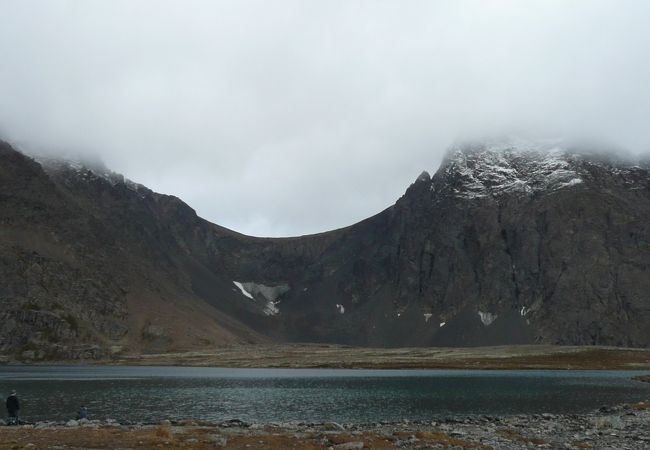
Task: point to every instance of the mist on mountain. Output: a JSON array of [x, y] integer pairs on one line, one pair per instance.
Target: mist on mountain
[[253, 112]]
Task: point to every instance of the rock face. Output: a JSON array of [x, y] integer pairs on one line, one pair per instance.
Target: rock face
[[87, 267], [508, 242]]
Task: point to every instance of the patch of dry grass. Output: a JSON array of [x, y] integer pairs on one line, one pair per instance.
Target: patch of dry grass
[[279, 441], [164, 432], [641, 406], [515, 436], [199, 438], [440, 438], [81, 438], [335, 356]]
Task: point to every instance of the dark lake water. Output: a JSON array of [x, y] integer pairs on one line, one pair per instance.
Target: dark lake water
[[262, 395]]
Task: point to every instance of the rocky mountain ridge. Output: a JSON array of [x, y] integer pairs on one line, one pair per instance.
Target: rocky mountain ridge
[[508, 242]]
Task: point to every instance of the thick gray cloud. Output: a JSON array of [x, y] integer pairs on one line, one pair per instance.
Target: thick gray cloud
[[291, 117]]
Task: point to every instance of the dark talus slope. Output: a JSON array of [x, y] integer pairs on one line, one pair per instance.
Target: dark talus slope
[[506, 243]]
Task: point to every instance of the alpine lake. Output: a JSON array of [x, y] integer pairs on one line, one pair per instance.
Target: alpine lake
[[151, 394]]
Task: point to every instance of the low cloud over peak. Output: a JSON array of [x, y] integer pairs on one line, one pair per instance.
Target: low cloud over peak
[[289, 117]]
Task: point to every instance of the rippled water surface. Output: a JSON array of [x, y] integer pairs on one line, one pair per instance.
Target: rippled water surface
[[262, 395]]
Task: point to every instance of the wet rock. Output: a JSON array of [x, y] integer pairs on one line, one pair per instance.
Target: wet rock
[[72, 423]]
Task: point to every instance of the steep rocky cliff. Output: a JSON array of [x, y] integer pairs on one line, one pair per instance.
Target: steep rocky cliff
[[508, 242]]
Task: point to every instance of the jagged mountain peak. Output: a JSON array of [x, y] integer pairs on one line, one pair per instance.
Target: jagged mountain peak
[[74, 169], [518, 166], [424, 176], [475, 170]]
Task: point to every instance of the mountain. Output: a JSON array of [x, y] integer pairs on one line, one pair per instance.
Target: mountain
[[509, 242]]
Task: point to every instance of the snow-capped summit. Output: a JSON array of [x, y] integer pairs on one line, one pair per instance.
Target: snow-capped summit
[[492, 168]]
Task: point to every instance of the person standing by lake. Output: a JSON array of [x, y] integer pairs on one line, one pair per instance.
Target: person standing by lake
[[83, 413], [13, 407]]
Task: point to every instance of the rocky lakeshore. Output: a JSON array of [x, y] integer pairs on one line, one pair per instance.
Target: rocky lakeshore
[[619, 427]]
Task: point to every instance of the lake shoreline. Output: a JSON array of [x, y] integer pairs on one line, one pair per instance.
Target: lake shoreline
[[320, 356], [625, 426]]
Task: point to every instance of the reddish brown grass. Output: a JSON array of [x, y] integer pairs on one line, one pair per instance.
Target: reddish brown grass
[[513, 435], [437, 437]]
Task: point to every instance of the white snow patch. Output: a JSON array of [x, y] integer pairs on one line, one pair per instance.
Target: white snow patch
[[524, 311], [427, 316], [268, 294], [571, 182], [442, 324], [242, 289], [487, 318], [271, 309], [340, 308]]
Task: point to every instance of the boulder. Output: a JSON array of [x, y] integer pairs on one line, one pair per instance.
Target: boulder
[[333, 426], [349, 445]]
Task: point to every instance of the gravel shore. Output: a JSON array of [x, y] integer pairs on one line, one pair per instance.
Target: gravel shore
[[620, 427]]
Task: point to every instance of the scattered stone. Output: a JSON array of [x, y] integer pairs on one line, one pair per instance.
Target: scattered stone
[[219, 441], [349, 446], [608, 422], [591, 430], [333, 426], [233, 423]]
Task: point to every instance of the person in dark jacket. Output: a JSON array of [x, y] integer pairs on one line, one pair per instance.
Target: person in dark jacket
[[13, 407], [83, 413]]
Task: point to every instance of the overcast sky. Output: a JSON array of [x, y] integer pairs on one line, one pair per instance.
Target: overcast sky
[[291, 117]]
